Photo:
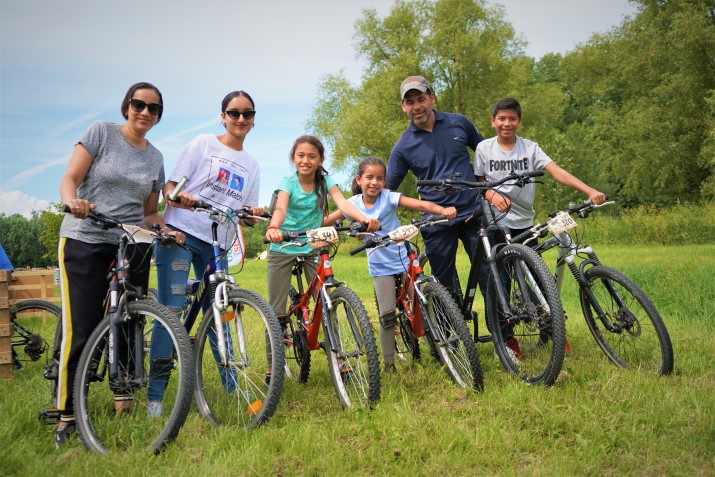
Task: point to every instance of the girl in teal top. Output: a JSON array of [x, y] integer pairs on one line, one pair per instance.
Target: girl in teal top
[[301, 205]]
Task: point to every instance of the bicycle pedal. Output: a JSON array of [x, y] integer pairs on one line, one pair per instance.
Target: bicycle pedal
[[49, 416]]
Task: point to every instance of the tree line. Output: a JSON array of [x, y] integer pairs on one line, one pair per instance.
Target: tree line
[[631, 111]]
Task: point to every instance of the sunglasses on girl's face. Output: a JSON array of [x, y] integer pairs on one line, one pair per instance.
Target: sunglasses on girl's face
[[138, 106], [233, 114]]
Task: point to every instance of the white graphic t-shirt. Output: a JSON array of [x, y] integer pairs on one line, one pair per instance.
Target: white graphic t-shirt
[[217, 174]]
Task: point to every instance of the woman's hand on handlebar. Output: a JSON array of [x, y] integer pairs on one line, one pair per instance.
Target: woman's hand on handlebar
[[257, 211], [80, 207], [178, 236], [183, 201]]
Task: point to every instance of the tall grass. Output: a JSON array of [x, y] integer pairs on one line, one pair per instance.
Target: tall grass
[[596, 420]]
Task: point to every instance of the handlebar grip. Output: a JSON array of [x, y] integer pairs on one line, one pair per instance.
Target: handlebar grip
[[534, 174], [429, 182], [66, 209], [200, 204], [173, 197], [368, 244]]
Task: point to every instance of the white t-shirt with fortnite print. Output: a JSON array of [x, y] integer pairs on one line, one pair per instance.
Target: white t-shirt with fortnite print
[[494, 163], [219, 175]]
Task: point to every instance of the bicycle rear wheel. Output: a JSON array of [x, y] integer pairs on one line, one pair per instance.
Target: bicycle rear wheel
[[241, 391], [638, 338], [530, 340], [101, 427], [452, 340], [354, 365], [37, 327]]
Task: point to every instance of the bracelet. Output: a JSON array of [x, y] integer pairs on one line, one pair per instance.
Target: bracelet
[[272, 227]]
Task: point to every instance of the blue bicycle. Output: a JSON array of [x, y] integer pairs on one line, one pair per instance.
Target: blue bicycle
[[239, 355]]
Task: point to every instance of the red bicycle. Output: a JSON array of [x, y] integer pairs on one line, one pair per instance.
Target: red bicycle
[[348, 336], [425, 308]]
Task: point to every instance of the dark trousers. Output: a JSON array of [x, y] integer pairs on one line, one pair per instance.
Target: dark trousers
[[83, 274]]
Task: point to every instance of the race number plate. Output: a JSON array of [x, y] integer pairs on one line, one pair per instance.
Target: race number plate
[[139, 234], [402, 233], [561, 223], [322, 236]]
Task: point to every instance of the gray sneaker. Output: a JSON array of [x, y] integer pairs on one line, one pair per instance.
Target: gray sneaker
[[62, 434]]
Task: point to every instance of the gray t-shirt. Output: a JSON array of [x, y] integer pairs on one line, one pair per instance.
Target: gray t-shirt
[[495, 163], [119, 181]]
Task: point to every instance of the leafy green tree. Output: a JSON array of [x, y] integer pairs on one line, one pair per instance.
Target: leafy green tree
[[50, 235], [20, 240]]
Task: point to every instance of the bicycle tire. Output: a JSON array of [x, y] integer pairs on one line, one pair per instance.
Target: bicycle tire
[[354, 367], [452, 340], [539, 329], [298, 354], [642, 341], [39, 334], [243, 394], [410, 344], [101, 427]]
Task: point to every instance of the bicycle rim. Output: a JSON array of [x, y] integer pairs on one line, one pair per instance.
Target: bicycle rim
[[451, 338], [296, 349], [537, 317], [245, 389], [169, 372], [640, 340], [354, 366]]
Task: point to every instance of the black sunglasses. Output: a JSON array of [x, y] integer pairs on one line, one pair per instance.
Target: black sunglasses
[[233, 114], [138, 105]]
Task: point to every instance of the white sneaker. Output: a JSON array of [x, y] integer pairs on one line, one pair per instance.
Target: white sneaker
[[154, 409], [512, 356]]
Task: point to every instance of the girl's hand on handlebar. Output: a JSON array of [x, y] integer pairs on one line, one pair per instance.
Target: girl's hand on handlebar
[[274, 235], [372, 224], [80, 207], [449, 212]]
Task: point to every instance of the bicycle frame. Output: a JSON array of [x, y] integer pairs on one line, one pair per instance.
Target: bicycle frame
[[319, 287], [409, 292]]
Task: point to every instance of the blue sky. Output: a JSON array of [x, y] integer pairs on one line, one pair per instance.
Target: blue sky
[[67, 63]]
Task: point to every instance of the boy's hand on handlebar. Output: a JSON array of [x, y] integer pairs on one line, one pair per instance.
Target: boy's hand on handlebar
[[499, 201], [449, 212], [597, 197]]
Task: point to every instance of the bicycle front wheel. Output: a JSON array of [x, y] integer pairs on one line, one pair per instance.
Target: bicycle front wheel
[[113, 412], [452, 340], [354, 365], [636, 337], [244, 388], [530, 338]]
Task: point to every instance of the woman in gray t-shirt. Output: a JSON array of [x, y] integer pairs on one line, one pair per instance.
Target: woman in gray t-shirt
[[114, 169]]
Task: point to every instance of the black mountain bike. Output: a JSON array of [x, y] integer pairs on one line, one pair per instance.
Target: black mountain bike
[[523, 307], [114, 366]]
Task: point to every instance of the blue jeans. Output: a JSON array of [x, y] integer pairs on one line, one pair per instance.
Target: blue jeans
[[172, 268]]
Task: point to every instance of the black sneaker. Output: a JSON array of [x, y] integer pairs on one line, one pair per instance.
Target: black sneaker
[[62, 434]]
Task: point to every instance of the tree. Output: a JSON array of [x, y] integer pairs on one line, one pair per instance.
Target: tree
[[50, 235], [20, 240]]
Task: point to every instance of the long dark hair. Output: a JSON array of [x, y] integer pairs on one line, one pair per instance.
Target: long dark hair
[[368, 161], [133, 89], [321, 186]]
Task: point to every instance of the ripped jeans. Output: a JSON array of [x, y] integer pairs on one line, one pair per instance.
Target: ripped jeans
[[172, 269]]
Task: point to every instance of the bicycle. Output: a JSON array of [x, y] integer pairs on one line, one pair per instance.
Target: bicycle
[[349, 340], [622, 319], [522, 302], [115, 365], [250, 343], [426, 308], [37, 332]]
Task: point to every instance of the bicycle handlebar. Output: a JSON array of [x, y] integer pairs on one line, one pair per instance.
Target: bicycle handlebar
[[109, 222], [353, 229], [448, 183], [384, 240]]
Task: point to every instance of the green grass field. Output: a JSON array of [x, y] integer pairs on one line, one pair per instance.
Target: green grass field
[[596, 420]]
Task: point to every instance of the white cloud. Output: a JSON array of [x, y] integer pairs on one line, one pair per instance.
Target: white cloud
[[16, 202]]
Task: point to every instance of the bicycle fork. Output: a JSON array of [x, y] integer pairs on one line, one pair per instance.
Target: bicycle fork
[[223, 329]]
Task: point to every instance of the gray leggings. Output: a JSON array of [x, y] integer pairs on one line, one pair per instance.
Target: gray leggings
[[385, 295]]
